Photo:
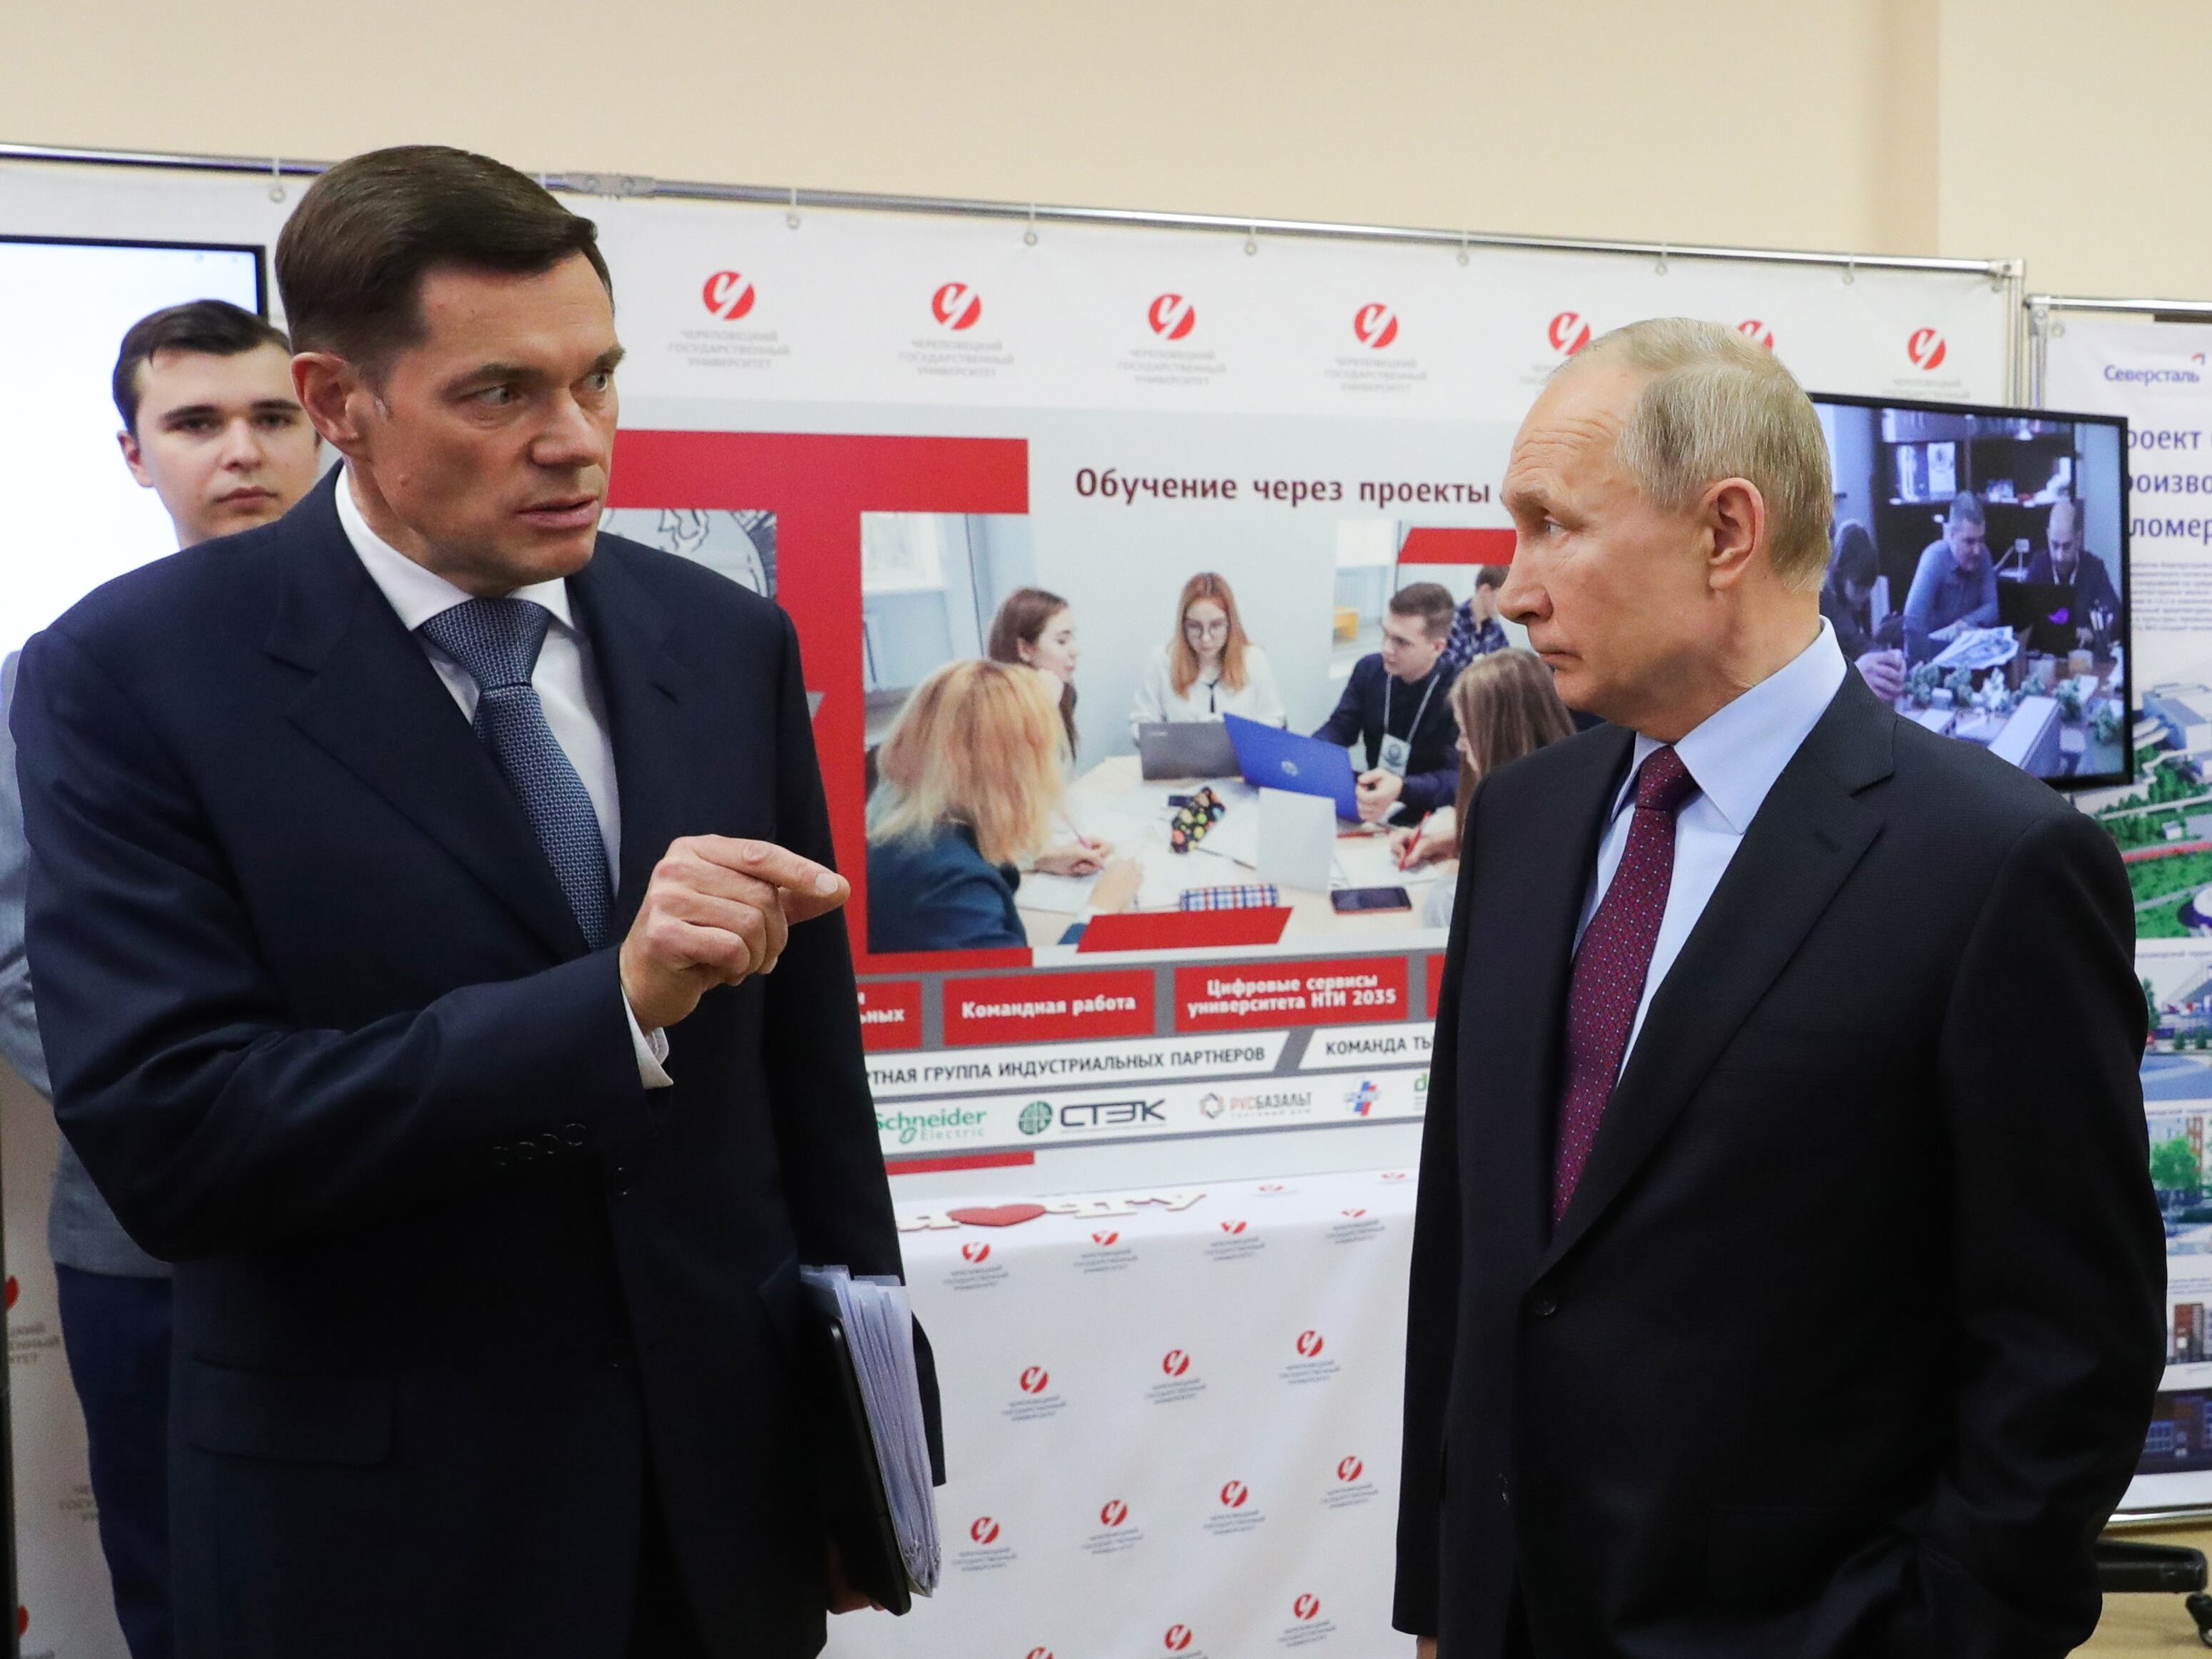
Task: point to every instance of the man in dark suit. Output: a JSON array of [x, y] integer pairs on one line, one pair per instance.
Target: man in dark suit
[[406, 881], [1787, 1279]]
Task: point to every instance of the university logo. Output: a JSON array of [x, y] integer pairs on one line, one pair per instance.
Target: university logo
[[1232, 1227], [1105, 1240], [1376, 326], [1751, 329], [1349, 1469], [1306, 1607], [957, 306], [1035, 1118], [1927, 349], [1569, 333], [1355, 1213], [1234, 1494], [1113, 1512], [1310, 1343], [729, 294], [985, 1530], [1172, 317], [1034, 1378], [1175, 1362], [1178, 1637], [974, 1251]]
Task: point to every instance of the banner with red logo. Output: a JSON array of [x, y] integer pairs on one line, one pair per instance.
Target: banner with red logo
[[895, 424], [2158, 377]]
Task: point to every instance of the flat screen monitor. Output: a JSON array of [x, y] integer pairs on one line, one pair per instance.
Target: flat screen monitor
[[1978, 576], [76, 516]]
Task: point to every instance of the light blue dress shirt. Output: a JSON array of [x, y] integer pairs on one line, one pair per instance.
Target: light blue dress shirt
[[1735, 755]]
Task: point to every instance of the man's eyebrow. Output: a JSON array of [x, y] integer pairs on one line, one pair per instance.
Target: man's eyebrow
[[289, 405], [607, 362], [190, 412]]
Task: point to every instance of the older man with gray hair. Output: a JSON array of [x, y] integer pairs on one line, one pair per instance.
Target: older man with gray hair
[[1787, 1278]]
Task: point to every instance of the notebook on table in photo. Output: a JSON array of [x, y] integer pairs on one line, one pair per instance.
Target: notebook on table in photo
[[882, 1510]]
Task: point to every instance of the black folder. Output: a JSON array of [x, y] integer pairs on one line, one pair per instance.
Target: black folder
[[855, 1503]]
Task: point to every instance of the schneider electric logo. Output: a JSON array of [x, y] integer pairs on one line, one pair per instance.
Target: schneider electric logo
[[1035, 1118], [952, 1123]]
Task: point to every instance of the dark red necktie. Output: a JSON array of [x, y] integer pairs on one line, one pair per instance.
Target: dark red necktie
[[1611, 966]]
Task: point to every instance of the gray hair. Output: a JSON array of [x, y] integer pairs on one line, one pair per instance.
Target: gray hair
[[1716, 406], [1966, 508]]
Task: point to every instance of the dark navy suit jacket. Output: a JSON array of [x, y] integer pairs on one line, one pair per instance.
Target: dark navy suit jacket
[[1432, 772], [1846, 1343], [939, 894], [326, 1034]]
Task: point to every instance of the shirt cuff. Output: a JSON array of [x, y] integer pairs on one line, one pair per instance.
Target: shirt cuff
[[652, 1050]]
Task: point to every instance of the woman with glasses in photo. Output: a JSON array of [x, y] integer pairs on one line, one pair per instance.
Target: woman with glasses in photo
[[1209, 668]]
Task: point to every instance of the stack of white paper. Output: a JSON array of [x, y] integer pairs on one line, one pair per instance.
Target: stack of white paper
[[879, 1322]]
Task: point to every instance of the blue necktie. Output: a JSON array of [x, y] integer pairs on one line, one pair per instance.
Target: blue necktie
[[497, 640]]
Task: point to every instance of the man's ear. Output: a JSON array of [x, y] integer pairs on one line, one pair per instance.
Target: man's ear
[[134, 458], [1734, 516], [331, 390]]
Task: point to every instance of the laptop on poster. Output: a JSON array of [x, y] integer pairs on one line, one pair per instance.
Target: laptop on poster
[[2046, 610], [1185, 748], [1272, 758]]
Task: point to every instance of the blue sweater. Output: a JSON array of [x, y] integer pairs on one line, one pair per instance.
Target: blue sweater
[[939, 893]]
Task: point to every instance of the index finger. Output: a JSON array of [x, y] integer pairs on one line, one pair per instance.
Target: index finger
[[764, 860]]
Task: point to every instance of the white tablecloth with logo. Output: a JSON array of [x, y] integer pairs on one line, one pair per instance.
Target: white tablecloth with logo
[[1171, 1420]]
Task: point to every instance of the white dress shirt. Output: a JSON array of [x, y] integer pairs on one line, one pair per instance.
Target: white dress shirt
[[1206, 700], [567, 684], [1735, 755]]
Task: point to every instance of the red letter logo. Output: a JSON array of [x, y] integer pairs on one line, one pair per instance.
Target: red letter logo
[[1355, 1214], [1102, 1240], [1306, 1607], [1172, 317], [1034, 1379], [1569, 333], [1394, 1174], [1751, 329], [1113, 1512], [1178, 1637], [14, 1290], [1310, 1343], [975, 1252], [957, 306], [1376, 326], [985, 1529], [1233, 1226], [1176, 1362], [1038, 1653], [728, 294], [1234, 1494], [1350, 1469], [1926, 348]]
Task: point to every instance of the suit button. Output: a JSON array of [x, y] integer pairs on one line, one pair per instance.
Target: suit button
[[1544, 1305], [551, 1143], [498, 1157], [526, 1151], [1504, 1490], [572, 1133]]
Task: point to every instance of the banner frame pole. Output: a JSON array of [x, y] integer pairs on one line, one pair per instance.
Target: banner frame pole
[[793, 198]]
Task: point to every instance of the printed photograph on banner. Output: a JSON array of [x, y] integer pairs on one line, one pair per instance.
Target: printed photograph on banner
[[1238, 731], [2177, 1082], [740, 545], [1978, 578]]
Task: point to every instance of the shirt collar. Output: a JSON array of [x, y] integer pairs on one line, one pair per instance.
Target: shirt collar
[[1740, 749], [417, 594]]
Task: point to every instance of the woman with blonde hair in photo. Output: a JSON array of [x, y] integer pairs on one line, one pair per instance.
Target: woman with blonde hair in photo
[[1210, 667], [1037, 629], [1506, 708], [971, 783]]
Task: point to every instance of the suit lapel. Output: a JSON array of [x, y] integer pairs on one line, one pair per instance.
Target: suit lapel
[[641, 678], [1541, 885], [377, 707], [1809, 835]]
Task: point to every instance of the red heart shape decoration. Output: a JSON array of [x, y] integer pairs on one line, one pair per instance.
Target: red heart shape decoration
[[998, 1215]]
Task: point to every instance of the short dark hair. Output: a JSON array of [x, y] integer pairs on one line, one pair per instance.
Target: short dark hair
[[1492, 575], [1966, 508], [215, 327], [1430, 601], [351, 259], [1856, 562]]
